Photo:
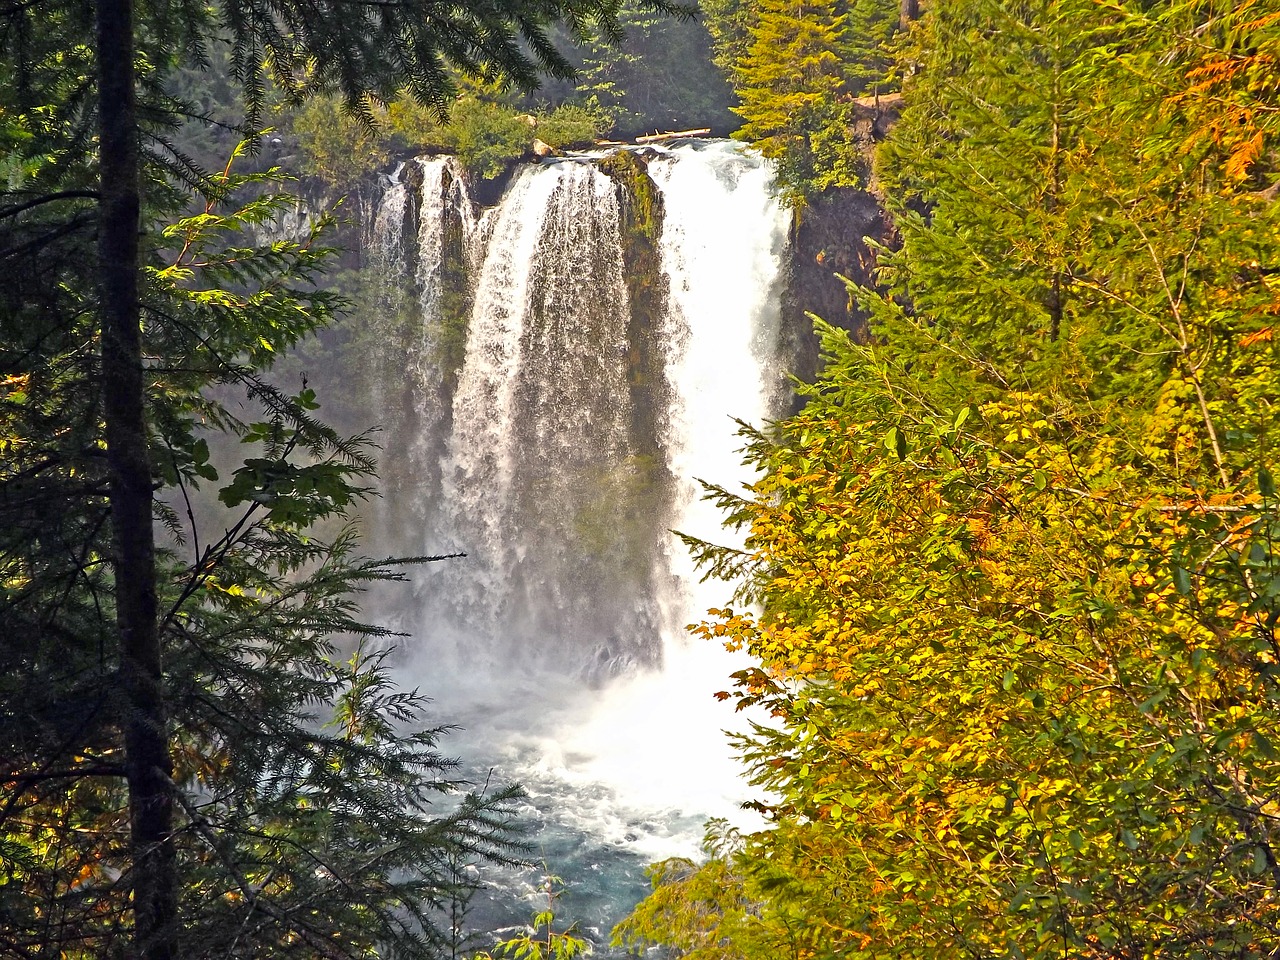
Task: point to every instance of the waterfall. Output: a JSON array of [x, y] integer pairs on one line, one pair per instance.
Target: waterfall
[[558, 372], [542, 458], [723, 244], [423, 231]]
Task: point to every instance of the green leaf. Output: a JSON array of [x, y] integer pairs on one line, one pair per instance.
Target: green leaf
[[896, 443], [1181, 579], [1266, 483], [1078, 894], [1265, 747], [1259, 865]]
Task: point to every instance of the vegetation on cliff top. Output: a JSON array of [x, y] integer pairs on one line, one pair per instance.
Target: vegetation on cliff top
[[797, 69]]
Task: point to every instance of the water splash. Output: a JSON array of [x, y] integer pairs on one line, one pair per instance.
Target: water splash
[[559, 642]]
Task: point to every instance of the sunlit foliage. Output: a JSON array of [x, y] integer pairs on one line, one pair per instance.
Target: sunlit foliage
[[796, 68], [1010, 577]]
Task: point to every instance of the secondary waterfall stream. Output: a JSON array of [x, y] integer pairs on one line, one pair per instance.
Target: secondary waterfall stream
[[556, 373]]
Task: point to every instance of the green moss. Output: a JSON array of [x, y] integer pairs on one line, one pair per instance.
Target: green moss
[[453, 315], [641, 209], [642, 204], [451, 333]]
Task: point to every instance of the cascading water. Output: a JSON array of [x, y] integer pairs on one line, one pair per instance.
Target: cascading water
[[543, 455], [556, 405], [422, 232]]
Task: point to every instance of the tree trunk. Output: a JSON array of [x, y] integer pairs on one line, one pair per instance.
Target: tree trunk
[[908, 10], [148, 767]]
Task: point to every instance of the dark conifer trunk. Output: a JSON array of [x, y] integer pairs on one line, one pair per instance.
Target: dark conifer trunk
[[908, 10], [148, 766]]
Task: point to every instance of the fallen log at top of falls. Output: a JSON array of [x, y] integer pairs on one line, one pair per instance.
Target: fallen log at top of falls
[[673, 135], [655, 137]]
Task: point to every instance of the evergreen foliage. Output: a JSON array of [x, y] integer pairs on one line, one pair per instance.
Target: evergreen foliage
[[189, 768], [657, 77], [653, 74], [796, 69], [728, 22], [307, 788], [485, 129], [572, 125], [791, 86]]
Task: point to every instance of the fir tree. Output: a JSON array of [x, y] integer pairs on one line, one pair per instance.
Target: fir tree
[[799, 70], [304, 790], [792, 86], [996, 113], [86, 122]]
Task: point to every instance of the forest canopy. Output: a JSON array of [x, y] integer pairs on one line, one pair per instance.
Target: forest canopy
[[190, 764], [1010, 579]]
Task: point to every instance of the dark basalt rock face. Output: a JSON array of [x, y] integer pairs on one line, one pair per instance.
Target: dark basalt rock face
[[641, 212], [835, 236]]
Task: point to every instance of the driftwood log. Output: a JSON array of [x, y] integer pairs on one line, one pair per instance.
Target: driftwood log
[[674, 135]]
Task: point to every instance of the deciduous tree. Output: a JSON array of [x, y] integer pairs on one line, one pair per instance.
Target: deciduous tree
[[1010, 574]]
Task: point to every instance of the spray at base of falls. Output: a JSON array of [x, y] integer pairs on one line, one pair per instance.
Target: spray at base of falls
[[576, 357]]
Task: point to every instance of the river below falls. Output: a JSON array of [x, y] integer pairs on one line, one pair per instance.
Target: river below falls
[[617, 777]]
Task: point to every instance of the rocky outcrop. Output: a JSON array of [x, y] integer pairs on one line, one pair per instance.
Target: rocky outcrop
[[641, 212], [835, 236]]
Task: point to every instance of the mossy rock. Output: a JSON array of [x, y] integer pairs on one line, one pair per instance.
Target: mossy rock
[[642, 204]]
